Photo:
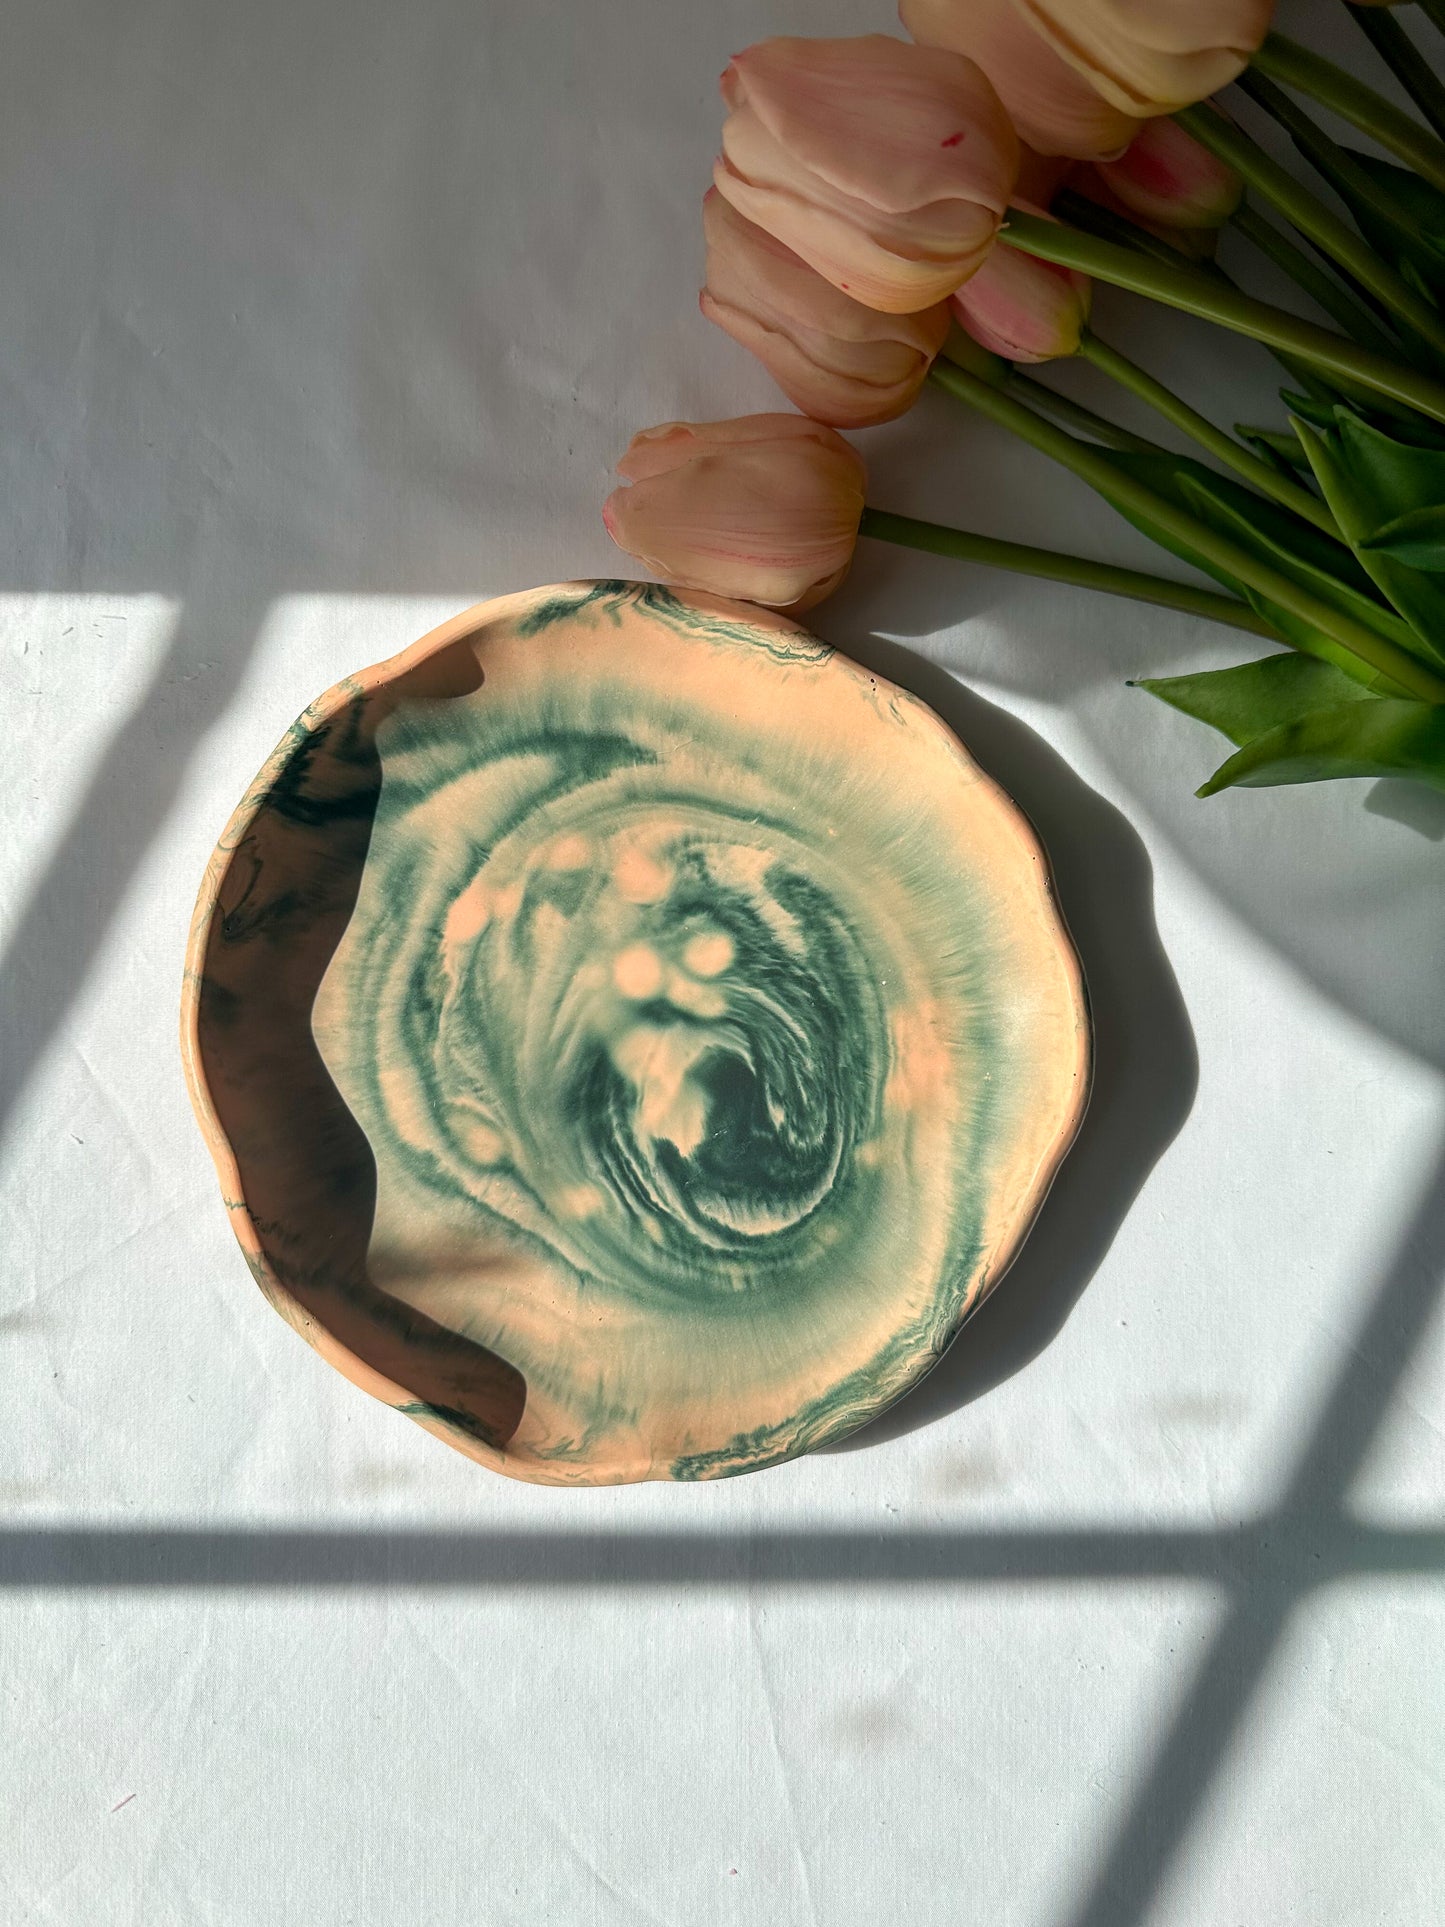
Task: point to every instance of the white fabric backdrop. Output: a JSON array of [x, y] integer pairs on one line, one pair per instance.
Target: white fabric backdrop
[[321, 321]]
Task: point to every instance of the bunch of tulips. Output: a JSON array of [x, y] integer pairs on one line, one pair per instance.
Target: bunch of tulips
[[887, 213]]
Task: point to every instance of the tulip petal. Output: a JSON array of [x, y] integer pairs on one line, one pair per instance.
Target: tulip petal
[[886, 167], [1169, 177], [892, 125], [812, 373], [896, 267], [749, 268], [764, 508], [1151, 57], [1053, 107], [1024, 309], [1197, 243], [653, 451]]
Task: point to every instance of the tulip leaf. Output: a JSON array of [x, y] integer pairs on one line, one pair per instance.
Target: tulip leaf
[[1417, 537], [1320, 414], [1254, 698], [1417, 199], [1384, 737], [1369, 480], [1283, 448], [1400, 215], [1160, 473], [1271, 534], [1326, 570], [1399, 473], [1320, 405], [1293, 547], [1268, 452]]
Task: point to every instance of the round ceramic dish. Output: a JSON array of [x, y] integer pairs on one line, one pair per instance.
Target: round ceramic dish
[[632, 1038]]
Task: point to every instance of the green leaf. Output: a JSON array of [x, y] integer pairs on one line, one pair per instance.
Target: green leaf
[[1400, 215], [1270, 455], [1398, 231], [1369, 480], [1320, 414], [1318, 403], [1387, 737], [1271, 532], [1284, 448], [1422, 203], [1417, 538], [1396, 472], [1255, 697], [1319, 565], [1273, 535]]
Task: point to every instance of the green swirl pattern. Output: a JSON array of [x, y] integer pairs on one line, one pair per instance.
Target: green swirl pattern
[[708, 1067]]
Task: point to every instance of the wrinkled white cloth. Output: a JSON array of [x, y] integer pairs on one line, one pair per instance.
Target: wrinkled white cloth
[[321, 321]]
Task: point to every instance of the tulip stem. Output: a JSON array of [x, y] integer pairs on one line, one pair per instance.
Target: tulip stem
[[1048, 401], [1403, 58], [1306, 273], [1199, 428], [960, 347], [1310, 73], [1329, 232], [1359, 324], [1213, 299], [1020, 558], [1080, 212], [1349, 644]]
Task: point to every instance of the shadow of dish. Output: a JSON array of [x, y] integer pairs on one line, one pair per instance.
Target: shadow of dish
[[1145, 1065], [299, 1176]]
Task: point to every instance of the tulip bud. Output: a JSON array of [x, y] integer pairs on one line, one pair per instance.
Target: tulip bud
[[833, 358], [1025, 309], [761, 509], [886, 167], [1150, 57], [1055, 110], [1195, 243], [1166, 176]]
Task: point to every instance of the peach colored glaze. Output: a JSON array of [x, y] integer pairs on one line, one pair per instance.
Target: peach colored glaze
[[632, 1038]]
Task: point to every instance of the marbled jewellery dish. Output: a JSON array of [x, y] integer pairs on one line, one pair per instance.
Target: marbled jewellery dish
[[632, 1037]]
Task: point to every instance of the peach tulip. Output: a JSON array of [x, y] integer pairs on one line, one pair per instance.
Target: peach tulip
[[762, 509], [1150, 57], [1166, 176], [886, 167], [1024, 309], [833, 358], [1076, 75], [1055, 110]]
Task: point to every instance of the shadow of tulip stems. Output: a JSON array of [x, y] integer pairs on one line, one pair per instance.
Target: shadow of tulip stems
[[1145, 1065]]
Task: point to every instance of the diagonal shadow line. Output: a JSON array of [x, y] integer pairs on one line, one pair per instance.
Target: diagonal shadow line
[[138, 1558], [131, 791], [1175, 1785]]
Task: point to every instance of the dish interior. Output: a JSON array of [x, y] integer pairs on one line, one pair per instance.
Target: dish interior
[[637, 1037]]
